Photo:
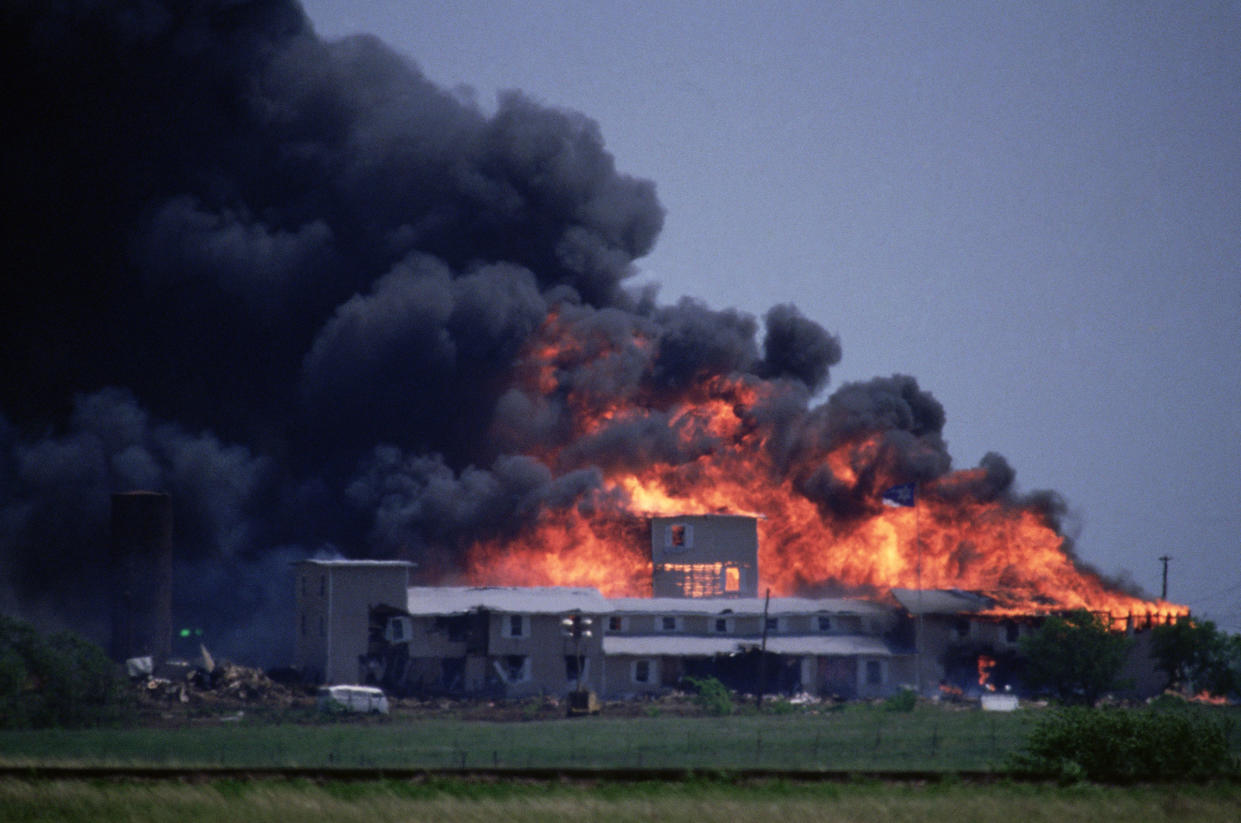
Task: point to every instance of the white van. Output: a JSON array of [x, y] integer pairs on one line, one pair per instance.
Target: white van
[[365, 699]]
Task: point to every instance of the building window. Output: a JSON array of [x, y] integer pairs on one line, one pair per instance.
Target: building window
[[732, 579], [773, 625], [694, 579], [643, 671], [963, 627], [668, 624], [679, 537], [399, 630], [513, 668], [1011, 631], [720, 625], [616, 624], [825, 624], [874, 673], [514, 625]]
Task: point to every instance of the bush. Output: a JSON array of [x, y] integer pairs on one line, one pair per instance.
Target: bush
[[59, 680], [780, 706], [902, 701], [712, 696], [1124, 745]]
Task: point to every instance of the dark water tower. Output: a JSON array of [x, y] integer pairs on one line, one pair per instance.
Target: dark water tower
[[141, 563]]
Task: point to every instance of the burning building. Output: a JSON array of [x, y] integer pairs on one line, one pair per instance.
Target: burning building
[[357, 621], [361, 621], [457, 369]]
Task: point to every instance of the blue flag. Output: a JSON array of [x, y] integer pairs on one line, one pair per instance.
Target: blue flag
[[902, 495]]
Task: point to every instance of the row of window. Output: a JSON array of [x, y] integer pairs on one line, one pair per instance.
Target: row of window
[[515, 668], [719, 625], [518, 625]]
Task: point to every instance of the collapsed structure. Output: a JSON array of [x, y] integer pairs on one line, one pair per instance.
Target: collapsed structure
[[361, 621]]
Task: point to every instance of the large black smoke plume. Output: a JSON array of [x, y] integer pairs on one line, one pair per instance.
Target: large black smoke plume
[[290, 281]]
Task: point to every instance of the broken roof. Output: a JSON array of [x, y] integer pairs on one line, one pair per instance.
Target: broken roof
[[752, 606], [941, 601], [680, 645], [438, 600]]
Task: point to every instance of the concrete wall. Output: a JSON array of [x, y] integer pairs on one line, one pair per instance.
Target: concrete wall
[[704, 555], [544, 647], [333, 602]]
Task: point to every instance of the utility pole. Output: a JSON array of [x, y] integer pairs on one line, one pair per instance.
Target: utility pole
[[1164, 595], [762, 655], [576, 627]]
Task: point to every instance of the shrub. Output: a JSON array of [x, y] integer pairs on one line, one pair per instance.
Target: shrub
[[1124, 745], [902, 701], [780, 706], [712, 696], [59, 680]]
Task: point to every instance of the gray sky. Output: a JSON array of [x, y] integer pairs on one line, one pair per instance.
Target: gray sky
[[1035, 209]]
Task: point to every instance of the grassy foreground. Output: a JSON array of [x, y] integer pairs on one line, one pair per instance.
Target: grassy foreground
[[277, 802], [859, 738]]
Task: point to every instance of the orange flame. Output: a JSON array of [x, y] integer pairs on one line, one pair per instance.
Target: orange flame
[[985, 665], [1209, 699], [950, 539]]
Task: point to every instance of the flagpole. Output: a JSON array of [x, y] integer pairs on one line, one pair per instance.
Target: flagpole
[[918, 624]]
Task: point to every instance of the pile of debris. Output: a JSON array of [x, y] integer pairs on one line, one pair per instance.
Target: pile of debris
[[206, 683]]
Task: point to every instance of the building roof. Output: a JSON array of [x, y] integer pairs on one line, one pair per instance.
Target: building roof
[[941, 601], [345, 562], [752, 606], [435, 600], [680, 645]]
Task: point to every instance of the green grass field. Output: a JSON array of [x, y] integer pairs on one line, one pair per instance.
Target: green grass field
[[860, 737], [694, 802]]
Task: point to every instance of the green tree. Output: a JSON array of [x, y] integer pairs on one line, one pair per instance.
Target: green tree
[[1075, 656], [1195, 655], [58, 680]]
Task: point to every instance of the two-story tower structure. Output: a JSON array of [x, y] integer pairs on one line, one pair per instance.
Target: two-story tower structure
[[704, 555]]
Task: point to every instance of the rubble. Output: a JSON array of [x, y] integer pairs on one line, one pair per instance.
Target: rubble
[[212, 684]]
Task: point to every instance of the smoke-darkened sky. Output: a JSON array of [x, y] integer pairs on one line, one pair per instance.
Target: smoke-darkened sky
[[1032, 208], [288, 276]]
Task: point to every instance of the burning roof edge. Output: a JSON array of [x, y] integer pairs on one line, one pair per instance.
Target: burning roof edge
[[941, 601], [438, 600]]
